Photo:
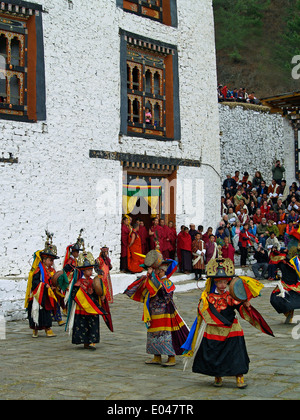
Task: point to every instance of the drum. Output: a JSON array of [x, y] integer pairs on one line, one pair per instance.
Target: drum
[[153, 259], [55, 277], [97, 285], [237, 289]]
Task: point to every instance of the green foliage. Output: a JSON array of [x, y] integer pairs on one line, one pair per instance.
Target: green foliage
[[236, 21], [290, 39]]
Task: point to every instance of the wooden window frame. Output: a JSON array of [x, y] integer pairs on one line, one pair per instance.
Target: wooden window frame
[[163, 11], [23, 20], [149, 55]]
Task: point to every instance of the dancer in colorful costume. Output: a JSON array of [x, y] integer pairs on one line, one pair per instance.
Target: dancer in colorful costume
[[216, 344], [166, 330], [285, 298], [86, 304], [104, 264], [72, 253], [40, 299]]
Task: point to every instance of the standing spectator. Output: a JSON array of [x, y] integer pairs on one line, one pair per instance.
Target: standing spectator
[[277, 171], [207, 234], [198, 250], [262, 258], [211, 248], [192, 231], [186, 251], [172, 239], [245, 243]]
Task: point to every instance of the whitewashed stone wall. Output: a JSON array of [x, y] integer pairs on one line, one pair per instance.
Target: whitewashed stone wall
[[55, 185], [252, 140]]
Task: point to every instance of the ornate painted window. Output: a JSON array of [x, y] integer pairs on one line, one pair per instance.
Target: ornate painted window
[[152, 102], [164, 11], [22, 95]]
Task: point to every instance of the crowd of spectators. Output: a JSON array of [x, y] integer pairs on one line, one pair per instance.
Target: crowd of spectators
[[260, 217], [255, 216], [236, 95]]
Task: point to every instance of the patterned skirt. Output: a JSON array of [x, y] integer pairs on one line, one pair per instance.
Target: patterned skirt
[[86, 329]]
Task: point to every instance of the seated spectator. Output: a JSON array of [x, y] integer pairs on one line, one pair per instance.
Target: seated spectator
[[264, 208], [252, 228], [294, 204], [288, 230], [282, 223], [262, 232], [293, 216], [271, 215], [236, 177], [256, 181], [247, 180], [229, 185], [273, 191], [272, 228], [279, 205], [228, 250], [283, 190], [261, 190], [262, 259], [223, 206], [243, 216], [272, 241], [235, 233], [232, 217], [241, 206], [252, 99], [238, 196], [257, 217], [252, 208]]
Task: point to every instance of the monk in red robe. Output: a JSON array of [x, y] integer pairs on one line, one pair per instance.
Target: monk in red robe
[[186, 251], [172, 235], [134, 248], [144, 235], [156, 234], [125, 230]]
